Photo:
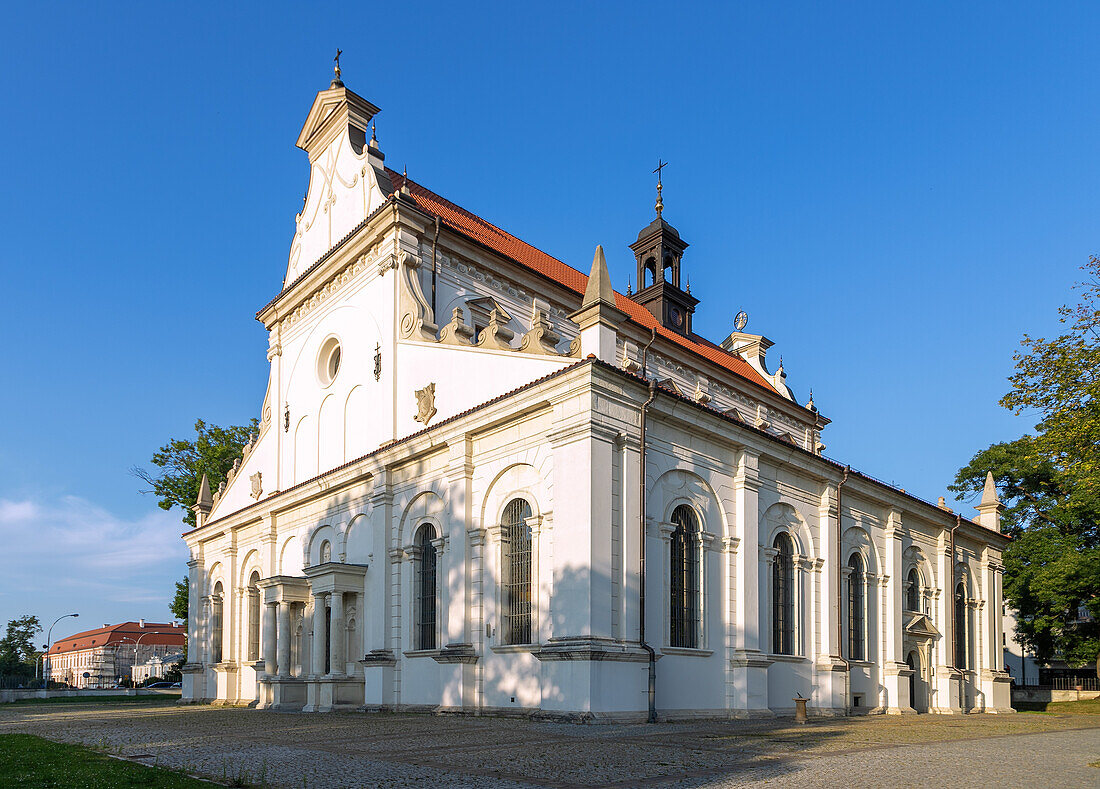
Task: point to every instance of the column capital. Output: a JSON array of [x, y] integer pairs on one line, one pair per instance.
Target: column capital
[[730, 544]]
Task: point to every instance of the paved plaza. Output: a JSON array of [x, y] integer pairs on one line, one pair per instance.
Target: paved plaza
[[356, 750]]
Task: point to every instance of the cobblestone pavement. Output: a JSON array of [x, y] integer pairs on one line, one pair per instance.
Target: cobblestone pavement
[[355, 750]]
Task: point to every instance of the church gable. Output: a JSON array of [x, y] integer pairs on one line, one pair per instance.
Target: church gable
[[347, 178]]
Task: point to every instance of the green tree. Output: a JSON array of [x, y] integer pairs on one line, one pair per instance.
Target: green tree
[[182, 462], [180, 601], [18, 654], [1050, 484]]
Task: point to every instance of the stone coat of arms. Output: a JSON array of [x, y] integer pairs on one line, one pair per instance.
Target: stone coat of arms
[[257, 481], [425, 404]]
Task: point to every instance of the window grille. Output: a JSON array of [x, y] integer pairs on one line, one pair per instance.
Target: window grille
[[216, 625], [912, 591], [856, 602], [426, 589], [684, 606], [254, 617], [783, 596], [961, 651], [515, 534]]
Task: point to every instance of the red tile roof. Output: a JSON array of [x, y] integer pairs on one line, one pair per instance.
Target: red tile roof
[[126, 632], [491, 236]]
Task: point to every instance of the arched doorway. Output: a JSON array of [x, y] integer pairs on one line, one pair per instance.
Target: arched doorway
[[918, 698]]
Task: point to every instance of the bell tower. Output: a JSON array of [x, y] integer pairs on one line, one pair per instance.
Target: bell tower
[[659, 251]]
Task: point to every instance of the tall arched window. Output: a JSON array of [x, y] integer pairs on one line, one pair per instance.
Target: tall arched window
[[961, 651], [515, 536], [856, 607], [912, 591], [783, 596], [254, 616], [425, 588], [216, 624], [684, 579]]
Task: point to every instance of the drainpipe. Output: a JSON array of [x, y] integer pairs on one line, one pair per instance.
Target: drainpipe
[[652, 685], [435, 240], [951, 604], [840, 592]]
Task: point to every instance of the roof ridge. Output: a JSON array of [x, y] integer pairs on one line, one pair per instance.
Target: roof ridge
[[636, 312]]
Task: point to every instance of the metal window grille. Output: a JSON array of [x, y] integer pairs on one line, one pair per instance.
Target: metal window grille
[[912, 591], [684, 615], [783, 597], [516, 538], [426, 593], [961, 651], [216, 625], [855, 608], [253, 619]]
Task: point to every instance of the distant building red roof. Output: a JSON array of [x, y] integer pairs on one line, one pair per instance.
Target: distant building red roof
[[127, 632], [491, 236]]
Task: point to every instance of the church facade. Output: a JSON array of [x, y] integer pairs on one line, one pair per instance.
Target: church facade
[[486, 483]]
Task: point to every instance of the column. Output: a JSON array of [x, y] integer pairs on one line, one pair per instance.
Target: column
[[337, 634], [206, 629], [267, 637], [895, 672], [749, 666], [317, 648], [442, 589], [194, 610], [830, 670], [280, 646]]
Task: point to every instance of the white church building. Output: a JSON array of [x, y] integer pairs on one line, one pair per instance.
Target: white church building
[[486, 483]]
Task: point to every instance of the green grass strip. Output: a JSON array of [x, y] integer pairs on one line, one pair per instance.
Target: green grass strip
[[34, 763]]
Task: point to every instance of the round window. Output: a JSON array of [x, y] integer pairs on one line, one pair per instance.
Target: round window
[[328, 361]]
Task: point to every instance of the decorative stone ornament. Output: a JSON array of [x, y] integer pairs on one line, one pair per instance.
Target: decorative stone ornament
[[425, 404], [257, 481]]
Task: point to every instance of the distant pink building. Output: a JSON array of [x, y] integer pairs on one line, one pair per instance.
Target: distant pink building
[[101, 657]]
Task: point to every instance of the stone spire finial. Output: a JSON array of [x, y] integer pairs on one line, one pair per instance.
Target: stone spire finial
[[598, 317], [989, 511], [989, 494], [599, 282], [204, 503], [204, 499]]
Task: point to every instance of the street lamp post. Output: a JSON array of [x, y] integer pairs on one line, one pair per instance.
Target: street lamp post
[[138, 641], [49, 635]]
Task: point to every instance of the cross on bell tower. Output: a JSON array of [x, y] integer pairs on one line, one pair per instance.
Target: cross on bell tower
[[658, 252]]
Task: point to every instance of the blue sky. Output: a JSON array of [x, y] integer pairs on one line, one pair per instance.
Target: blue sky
[[894, 196]]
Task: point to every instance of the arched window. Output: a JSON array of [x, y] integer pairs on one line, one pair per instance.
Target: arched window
[[961, 651], [783, 596], [326, 552], [856, 602], [912, 591], [515, 535], [684, 579], [216, 624], [425, 588], [254, 616]]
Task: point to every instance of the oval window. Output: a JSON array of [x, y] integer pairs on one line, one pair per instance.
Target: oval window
[[328, 361]]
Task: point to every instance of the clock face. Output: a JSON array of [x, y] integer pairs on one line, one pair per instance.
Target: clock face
[[677, 316]]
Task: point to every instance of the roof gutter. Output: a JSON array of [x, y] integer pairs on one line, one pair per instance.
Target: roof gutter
[[652, 679], [840, 591]]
